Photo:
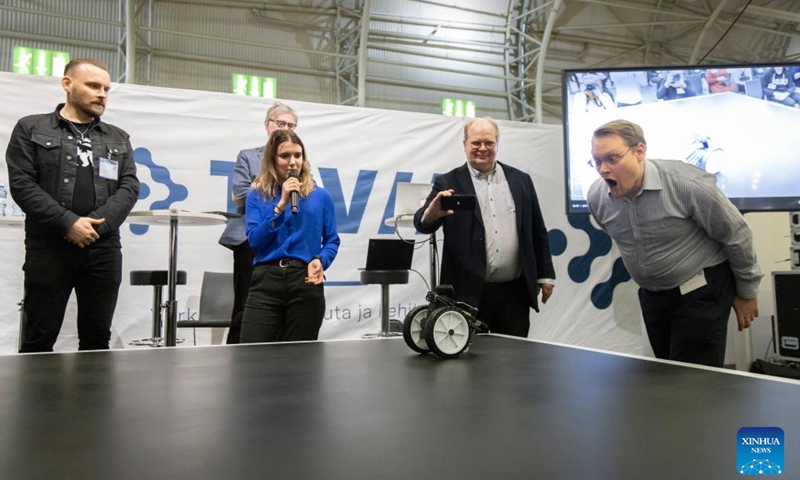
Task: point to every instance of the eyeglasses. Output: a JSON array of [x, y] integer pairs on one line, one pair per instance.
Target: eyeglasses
[[282, 124], [476, 145], [609, 160]]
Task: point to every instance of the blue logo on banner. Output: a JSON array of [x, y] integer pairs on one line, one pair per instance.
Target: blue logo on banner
[[175, 191], [579, 267], [759, 451]]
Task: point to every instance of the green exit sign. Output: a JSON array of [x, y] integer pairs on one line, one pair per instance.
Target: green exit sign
[[255, 86], [33, 61], [453, 107]]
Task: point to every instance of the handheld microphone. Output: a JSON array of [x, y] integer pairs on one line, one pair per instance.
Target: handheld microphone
[[293, 174]]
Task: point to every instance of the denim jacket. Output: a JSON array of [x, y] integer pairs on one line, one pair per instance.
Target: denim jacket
[[42, 166]]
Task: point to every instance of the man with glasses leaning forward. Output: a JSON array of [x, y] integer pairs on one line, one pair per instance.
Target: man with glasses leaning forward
[[496, 257], [684, 243], [248, 163]]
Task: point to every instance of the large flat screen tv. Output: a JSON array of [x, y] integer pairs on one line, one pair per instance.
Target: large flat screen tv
[[739, 122]]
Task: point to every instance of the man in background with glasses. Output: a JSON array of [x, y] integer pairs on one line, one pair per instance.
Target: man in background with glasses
[[684, 243], [497, 256], [248, 164]]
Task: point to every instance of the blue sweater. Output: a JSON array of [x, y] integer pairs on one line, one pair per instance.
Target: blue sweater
[[305, 235]]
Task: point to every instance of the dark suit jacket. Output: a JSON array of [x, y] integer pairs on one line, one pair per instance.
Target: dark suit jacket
[[464, 255]]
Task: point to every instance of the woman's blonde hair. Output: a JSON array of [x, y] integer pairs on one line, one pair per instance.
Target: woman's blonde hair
[[267, 181]]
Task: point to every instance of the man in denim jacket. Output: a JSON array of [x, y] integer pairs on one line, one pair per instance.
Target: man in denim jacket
[[74, 177]]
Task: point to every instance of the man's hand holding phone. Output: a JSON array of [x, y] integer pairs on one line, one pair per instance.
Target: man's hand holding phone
[[446, 203], [458, 202], [435, 211]]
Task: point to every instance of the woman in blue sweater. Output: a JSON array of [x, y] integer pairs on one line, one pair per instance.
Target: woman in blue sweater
[[287, 300]]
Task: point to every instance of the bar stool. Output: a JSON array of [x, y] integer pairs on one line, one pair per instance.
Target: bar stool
[[157, 279], [384, 278]]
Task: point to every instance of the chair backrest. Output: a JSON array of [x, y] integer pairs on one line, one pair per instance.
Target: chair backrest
[[695, 82], [754, 89], [216, 297]]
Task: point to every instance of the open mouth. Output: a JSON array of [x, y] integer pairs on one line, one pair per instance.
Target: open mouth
[[611, 183]]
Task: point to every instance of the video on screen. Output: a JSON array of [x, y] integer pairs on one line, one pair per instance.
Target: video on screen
[[738, 122]]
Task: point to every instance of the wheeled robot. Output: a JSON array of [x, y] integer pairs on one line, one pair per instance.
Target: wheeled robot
[[443, 326]]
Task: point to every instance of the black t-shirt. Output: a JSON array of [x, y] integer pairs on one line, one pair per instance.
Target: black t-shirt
[[83, 198]]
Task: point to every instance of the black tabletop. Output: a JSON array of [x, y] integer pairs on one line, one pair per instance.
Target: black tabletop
[[373, 409]]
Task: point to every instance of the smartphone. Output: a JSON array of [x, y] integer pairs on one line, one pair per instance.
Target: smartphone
[[459, 202]]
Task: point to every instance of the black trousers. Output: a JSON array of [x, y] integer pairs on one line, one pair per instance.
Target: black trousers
[[242, 273], [51, 275], [281, 306], [505, 308], [693, 327]]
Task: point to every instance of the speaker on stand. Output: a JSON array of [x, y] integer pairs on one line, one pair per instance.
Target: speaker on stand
[[787, 313]]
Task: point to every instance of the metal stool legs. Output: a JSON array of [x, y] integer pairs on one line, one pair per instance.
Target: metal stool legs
[[384, 278], [21, 305], [156, 340], [157, 279], [386, 330]]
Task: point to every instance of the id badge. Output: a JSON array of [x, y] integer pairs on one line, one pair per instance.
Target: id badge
[[109, 169], [694, 283]]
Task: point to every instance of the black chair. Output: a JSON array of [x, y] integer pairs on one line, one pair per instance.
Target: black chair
[[753, 88], [216, 303], [695, 83], [157, 279]]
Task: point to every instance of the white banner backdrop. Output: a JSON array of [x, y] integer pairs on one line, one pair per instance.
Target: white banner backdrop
[[186, 143]]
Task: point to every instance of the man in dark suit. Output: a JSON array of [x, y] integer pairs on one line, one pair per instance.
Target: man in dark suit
[[497, 256]]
